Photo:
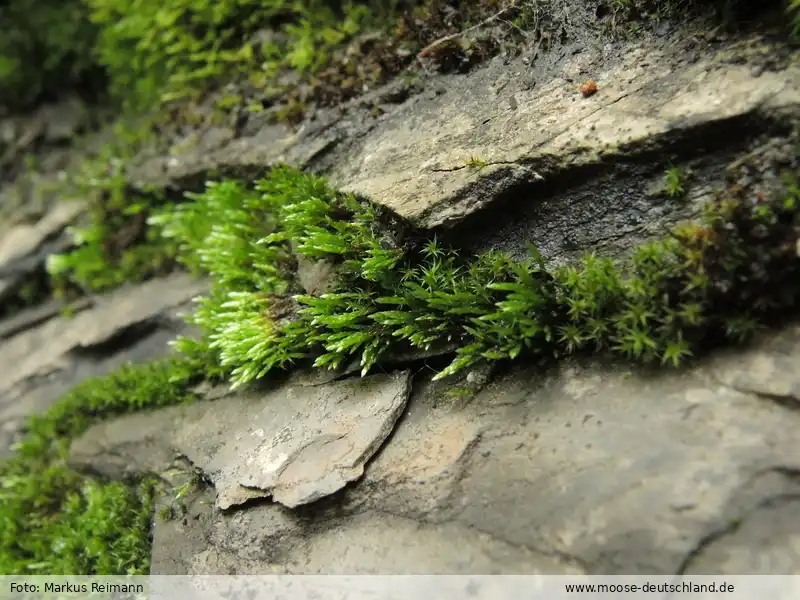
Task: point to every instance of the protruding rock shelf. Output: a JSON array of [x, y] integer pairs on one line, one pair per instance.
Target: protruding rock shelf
[[295, 444], [417, 161], [527, 124], [43, 362], [586, 467]]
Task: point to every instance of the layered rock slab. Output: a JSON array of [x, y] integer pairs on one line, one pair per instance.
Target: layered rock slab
[[294, 444], [441, 157], [25, 238], [587, 467], [41, 350], [24, 247], [417, 161], [297, 444], [41, 363]]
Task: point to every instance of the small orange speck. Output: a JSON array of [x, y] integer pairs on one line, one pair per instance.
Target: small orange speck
[[589, 88]]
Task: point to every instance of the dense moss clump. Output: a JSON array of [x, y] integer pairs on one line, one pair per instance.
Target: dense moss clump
[[708, 281], [280, 53], [46, 46], [158, 50], [55, 521]]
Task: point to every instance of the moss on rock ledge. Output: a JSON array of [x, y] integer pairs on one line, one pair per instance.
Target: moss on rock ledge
[[714, 280], [55, 521], [392, 290], [386, 289]]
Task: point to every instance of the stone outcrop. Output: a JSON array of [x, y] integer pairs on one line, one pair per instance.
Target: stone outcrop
[[528, 131], [24, 247], [587, 466], [535, 135], [44, 362]]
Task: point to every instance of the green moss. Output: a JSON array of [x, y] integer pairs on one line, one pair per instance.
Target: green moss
[[477, 162], [55, 521], [717, 279], [794, 14], [674, 179], [115, 245], [160, 51], [46, 46]]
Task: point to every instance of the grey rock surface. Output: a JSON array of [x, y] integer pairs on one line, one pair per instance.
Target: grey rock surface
[[294, 444], [130, 445], [416, 161], [29, 318], [24, 239], [40, 351], [658, 94], [587, 467], [42, 363]]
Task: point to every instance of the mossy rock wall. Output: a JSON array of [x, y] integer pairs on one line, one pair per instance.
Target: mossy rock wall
[[484, 454]]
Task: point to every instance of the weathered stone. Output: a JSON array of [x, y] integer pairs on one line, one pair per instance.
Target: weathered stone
[[37, 315], [44, 349], [653, 96], [771, 371], [64, 120], [416, 160], [25, 239], [587, 467], [128, 446], [296, 445], [583, 468], [37, 394]]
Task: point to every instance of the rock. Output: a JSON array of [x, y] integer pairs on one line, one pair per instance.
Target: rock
[[64, 120], [585, 468], [47, 348], [769, 371], [413, 161], [557, 147], [24, 239], [23, 134], [38, 393], [24, 247], [129, 446], [28, 318], [296, 445]]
